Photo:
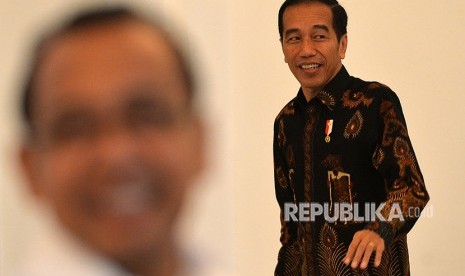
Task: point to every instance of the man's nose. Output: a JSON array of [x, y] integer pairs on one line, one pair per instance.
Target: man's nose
[[307, 48], [117, 145]]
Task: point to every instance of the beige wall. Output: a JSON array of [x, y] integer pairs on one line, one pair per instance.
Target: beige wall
[[416, 47]]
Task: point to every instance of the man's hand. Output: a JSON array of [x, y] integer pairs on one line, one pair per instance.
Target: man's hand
[[362, 246]]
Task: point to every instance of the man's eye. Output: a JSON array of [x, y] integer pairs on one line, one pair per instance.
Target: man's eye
[[293, 39], [319, 37], [151, 116], [75, 130]]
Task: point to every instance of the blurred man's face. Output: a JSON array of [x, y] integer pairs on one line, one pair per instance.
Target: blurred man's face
[[115, 144]]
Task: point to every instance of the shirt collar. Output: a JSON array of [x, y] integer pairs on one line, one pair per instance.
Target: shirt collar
[[332, 92]]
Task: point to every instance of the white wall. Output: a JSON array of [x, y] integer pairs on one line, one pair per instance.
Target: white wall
[[416, 47]]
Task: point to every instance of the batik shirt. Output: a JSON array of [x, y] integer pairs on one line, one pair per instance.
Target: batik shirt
[[348, 147]]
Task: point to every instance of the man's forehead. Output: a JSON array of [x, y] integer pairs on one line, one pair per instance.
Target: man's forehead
[[110, 43], [125, 31], [98, 59]]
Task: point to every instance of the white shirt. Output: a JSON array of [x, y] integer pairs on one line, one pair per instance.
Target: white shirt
[[60, 254]]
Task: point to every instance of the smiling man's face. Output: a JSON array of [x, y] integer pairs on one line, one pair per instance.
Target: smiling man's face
[[311, 47], [115, 143]]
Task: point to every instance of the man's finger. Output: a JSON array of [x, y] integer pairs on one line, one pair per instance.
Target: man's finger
[[352, 249], [359, 254], [367, 254], [379, 254]]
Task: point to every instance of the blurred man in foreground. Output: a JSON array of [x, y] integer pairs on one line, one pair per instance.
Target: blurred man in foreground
[[113, 140]]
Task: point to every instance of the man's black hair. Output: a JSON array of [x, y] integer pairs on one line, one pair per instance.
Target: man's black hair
[[339, 15], [90, 19]]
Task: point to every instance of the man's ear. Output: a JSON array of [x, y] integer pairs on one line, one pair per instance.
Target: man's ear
[[200, 145], [282, 48], [343, 46], [28, 162]]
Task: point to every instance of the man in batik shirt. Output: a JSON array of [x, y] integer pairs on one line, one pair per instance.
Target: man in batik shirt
[[340, 144]]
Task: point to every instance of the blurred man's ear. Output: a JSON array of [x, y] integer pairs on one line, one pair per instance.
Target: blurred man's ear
[[200, 145], [28, 163]]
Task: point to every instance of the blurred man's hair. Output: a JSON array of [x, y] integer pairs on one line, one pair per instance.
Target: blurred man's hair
[[86, 20]]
